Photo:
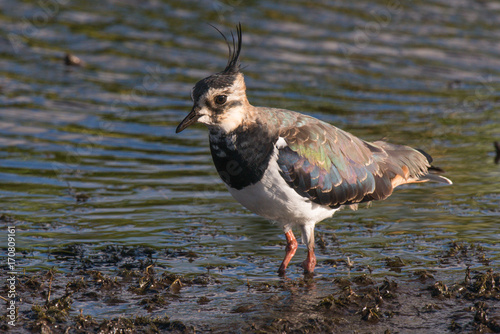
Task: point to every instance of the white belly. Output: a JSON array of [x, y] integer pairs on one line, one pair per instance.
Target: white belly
[[274, 199]]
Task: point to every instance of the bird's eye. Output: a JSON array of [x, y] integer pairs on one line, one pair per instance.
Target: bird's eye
[[220, 99]]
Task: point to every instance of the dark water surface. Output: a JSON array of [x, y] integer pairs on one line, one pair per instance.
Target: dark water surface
[[421, 73]]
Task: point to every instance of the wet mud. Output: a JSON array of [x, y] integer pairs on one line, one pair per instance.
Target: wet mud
[[122, 289]]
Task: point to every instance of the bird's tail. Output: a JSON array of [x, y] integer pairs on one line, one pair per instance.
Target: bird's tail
[[408, 165], [433, 176]]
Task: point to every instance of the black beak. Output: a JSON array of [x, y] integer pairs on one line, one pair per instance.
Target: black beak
[[191, 118]]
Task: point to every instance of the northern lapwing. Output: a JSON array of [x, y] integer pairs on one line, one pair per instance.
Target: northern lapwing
[[292, 168]]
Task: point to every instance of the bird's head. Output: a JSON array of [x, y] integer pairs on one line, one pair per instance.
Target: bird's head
[[220, 100]]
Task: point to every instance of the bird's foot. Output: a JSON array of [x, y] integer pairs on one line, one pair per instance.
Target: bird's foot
[[309, 263], [282, 271], [308, 267]]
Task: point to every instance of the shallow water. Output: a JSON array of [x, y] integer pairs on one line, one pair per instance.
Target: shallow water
[[421, 73]]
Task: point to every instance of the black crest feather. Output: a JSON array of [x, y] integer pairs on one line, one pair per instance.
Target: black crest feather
[[233, 63]]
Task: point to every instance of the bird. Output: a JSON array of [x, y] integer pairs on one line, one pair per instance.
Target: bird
[[290, 168]]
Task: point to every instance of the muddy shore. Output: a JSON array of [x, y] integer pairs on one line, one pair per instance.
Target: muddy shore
[[121, 289]]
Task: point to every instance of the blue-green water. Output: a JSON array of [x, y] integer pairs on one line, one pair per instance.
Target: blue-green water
[[421, 73]]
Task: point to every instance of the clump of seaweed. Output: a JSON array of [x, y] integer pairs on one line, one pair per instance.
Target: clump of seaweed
[[365, 301], [54, 311], [483, 286]]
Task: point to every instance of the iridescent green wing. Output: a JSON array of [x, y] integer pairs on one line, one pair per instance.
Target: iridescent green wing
[[330, 166]]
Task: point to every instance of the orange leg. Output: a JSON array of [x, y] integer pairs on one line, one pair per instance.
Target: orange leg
[[291, 247], [310, 261]]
